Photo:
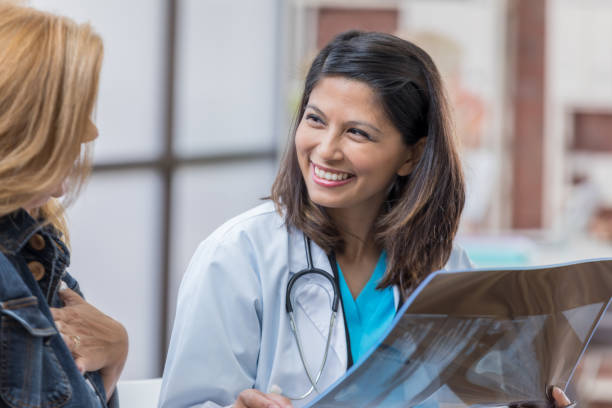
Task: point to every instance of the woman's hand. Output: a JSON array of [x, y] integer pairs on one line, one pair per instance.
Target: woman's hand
[[97, 342], [561, 400], [256, 399]]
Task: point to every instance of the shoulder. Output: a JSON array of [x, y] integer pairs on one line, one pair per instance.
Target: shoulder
[[243, 241], [261, 219], [458, 260]]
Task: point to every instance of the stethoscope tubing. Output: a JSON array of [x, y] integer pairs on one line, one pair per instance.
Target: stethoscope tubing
[[294, 329], [309, 270], [297, 336]]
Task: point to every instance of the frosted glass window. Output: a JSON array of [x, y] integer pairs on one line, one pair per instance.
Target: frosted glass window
[[226, 78], [115, 235], [206, 197], [130, 102]]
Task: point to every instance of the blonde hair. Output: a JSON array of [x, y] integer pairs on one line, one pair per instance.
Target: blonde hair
[[49, 72]]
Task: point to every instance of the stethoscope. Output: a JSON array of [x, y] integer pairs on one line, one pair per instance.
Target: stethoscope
[[294, 329]]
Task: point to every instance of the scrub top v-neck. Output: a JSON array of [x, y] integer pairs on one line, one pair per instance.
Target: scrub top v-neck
[[370, 314]]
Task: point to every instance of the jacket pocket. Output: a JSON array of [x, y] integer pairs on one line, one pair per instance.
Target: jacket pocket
[[30, 373]]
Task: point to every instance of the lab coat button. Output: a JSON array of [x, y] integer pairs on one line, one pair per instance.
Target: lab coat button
[[37, 269]]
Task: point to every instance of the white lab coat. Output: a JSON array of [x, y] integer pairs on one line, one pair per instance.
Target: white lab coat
[[231, 330]]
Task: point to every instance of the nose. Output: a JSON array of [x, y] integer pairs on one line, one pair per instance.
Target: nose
[[91, 132], [330, 147]]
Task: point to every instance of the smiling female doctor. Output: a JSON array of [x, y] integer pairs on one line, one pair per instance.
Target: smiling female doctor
[[372, 178]]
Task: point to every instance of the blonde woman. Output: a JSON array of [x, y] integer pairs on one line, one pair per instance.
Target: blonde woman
[[56, 349]]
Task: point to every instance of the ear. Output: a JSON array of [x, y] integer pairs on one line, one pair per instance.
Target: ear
[[413, 156]]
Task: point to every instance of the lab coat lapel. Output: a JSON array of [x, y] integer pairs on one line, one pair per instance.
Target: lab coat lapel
[[311, 296], [396, 296]]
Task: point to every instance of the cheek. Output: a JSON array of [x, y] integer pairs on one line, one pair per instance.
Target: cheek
[[300, 140], [378, 168], [365, 161], [303, 144]]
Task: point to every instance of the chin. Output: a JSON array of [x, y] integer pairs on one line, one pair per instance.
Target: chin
[[61, 190], [327, 202]]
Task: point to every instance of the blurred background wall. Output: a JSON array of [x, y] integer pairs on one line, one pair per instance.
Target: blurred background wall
[[197, 98]]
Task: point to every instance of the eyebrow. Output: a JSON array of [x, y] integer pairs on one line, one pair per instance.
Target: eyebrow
[[350, 123]]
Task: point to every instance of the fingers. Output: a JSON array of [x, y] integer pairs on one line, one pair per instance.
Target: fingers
[[68, 342], [560, 398], [256, 399], [73, 341], [70, 297], [74, 316], [282, 401], [71, 338], [81, 364], [56, 313], [64, 314]]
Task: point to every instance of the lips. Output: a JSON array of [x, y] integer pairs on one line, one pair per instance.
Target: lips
[[330, 178], [330, 175]]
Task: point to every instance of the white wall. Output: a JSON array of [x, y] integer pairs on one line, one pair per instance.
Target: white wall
[[115, 257], [226, 71]]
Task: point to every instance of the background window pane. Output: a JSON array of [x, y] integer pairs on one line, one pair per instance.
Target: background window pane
[[225, 76], [115, 232]]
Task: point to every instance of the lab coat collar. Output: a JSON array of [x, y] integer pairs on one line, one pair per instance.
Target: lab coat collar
[[396, 296]]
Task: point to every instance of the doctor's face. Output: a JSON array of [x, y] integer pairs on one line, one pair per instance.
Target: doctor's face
[[348, 150]]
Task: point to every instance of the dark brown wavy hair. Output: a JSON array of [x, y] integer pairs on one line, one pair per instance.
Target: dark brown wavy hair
[[419, 219]]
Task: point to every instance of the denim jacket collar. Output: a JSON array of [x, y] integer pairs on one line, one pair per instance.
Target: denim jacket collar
[[16, 229]]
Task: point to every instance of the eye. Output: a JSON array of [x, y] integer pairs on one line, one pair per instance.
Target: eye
[[360, 133], [312, 118]]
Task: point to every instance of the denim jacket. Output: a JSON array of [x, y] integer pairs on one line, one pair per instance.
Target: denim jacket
[[36, 367]]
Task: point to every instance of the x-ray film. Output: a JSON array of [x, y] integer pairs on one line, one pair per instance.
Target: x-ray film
[[481, 338]]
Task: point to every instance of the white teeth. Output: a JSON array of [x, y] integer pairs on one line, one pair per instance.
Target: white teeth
[[330, 176]]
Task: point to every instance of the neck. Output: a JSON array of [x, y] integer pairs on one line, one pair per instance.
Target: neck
[[356, 229], [360, 252]]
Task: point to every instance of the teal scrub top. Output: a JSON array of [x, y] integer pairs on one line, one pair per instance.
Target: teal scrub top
[[368, 316]]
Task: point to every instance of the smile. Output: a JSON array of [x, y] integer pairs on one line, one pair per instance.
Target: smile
[[329, 178]]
